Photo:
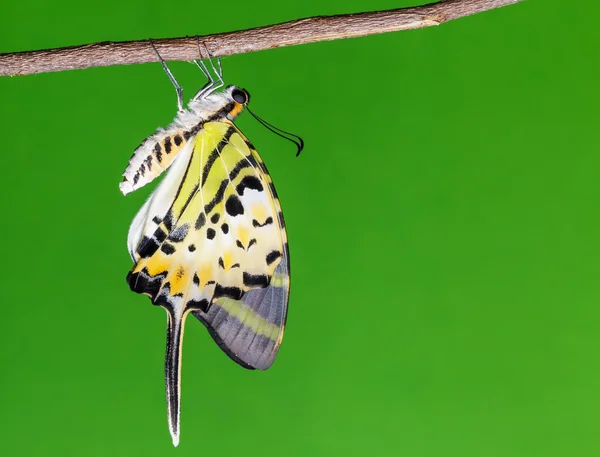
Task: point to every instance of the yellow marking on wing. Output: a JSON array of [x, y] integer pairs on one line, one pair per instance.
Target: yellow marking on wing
[[228, 260], [259, 212], [214, 132], [206, 274], [179, 280], [230, 156], [245, 314], [237, 142], [243, 236], [280, 280], [155, 265]]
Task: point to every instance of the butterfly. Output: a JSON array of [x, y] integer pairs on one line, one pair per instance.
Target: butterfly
[[211, 239]]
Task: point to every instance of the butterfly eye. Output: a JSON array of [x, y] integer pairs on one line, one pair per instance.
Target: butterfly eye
[[240, 96]]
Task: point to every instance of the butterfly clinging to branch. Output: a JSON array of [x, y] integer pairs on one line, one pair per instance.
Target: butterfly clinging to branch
[[211, 239]]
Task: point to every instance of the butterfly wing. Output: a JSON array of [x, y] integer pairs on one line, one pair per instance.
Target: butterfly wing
[[250, 329]]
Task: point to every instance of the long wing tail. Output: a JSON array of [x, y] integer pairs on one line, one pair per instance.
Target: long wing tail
[[175, 324]]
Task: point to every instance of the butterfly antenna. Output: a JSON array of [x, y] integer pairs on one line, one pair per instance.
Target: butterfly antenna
[[178, 88], [299, 142]]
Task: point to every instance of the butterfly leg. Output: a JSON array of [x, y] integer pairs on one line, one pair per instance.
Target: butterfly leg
[[213, 83], [178, 88]]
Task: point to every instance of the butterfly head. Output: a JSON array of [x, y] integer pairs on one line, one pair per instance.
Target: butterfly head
[[238, 98]]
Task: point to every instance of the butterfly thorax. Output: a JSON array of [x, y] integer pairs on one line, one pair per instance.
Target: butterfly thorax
[[217, 106], [157, 152]]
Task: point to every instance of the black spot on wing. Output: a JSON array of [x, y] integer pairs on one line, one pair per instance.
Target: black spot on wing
[[167, 143], [210, 233], [249, 182], [225, 228], [142, 283], [230, 292], [272, 257], [160, 235], [191, 248], [268, 221], [202, 305], [177, 140], [215, 218], [196, 279], [221, 263], [167, 248], [147, 247], [256, 280], [251, 243], [168, 220], [234, 206], [200, 221]]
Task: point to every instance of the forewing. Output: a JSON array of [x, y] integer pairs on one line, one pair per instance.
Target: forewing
[[220, 249], [250, 329]]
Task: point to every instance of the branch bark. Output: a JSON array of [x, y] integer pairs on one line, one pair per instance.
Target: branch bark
[[301, 31]]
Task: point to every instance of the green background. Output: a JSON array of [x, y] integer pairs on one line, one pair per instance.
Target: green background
[[443, 223]]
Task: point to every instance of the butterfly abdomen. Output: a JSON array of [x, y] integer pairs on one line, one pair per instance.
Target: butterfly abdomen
[[154, 155]]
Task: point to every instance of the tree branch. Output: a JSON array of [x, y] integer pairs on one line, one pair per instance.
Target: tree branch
[[309, 30]]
